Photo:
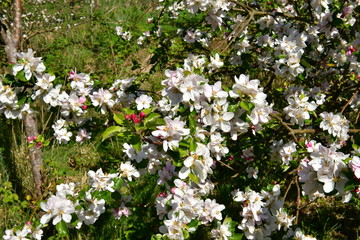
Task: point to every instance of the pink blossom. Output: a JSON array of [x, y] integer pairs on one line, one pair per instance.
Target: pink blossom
[[82, 99]]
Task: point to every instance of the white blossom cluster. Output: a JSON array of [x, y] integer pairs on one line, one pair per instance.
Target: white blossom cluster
[[64, 205], [262, 213], [290, 50], [27, 232], [195, 35], [182, 206], [301, 103], [323, 172], [73, 104], [283, 152], [336, 125], [126, 35], [9, 103]]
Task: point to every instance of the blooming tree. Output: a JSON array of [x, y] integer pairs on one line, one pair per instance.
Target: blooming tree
[[262, 103]]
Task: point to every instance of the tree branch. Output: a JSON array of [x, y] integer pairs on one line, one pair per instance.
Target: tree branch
[[350, 100]]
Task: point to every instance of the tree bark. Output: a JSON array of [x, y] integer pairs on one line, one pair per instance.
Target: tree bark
[[12, 38], [35, 154]]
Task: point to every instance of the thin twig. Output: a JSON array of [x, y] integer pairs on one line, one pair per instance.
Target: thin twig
[[350, 100], [288, 189], [297, 199], [225, 180], [291, 131], [226, 165], [308, 203]]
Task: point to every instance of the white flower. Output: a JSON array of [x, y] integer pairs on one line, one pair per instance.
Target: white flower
[[336, 124], [28, 63], [171, 133], [102, 98], [260, 115], [143, 102], [215, 62], [355, 166], [199, 163], [62, 135], [100, 181], [252, 172], [222, 232], [214, 91], [58, 207], [82, 135], [129, 171], [283, 220]]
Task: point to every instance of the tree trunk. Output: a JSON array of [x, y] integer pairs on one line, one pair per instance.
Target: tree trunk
[[35, 154], [12, 38]]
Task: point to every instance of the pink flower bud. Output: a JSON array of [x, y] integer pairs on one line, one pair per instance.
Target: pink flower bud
[[29, 139], [137, 120], [83, 107], [350, 50], [142, 115], [127, 116], [173, 190], [133, 116], [38, 144], [34, 138]]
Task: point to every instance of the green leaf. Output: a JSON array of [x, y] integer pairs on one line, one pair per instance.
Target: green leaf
[[40, 138], [119, 118], [305, 64], [245, 106], [193, 178], [301, 76], [8, 79], [233, 107], [62, 229], [192, 123], [183, 152], [147, 111], [193, 145], [185, 234], [106, 195], [31, 145], [155, 123], [22, 101], [194, 223], [111, 131], [128, 111], [151, 118], [156, 237], [236, 236], [135, 141], [117, 183], [21, 76]]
